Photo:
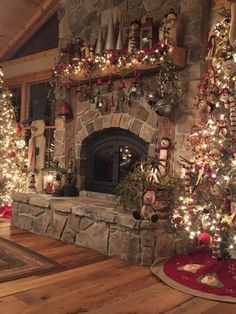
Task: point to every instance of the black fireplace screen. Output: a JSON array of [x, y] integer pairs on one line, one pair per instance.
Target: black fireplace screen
[[110, 155]]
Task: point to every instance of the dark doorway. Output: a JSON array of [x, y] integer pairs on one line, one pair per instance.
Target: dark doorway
[[110, 155]]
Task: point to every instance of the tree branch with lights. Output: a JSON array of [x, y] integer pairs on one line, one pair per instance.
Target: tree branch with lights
[[12, 150], [207, 207]]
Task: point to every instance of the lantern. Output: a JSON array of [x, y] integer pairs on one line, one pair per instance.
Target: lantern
[[52, 176]]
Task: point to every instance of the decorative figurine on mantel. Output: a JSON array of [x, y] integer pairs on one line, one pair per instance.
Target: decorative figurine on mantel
[[119, 41], [134, 36], [110, 37], [167, 30], [147, 33], [99, 43]]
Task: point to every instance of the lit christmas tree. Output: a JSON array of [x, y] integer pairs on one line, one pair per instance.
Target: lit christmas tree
[[207, 208], [12, 150]]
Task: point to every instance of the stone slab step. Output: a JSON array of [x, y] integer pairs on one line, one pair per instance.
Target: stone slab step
[[98, 196]]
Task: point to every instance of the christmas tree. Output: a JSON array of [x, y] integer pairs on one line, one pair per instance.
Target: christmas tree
[[207, 208], [12, 150]]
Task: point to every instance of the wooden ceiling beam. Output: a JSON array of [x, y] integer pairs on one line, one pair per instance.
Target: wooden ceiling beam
[[44, 12]]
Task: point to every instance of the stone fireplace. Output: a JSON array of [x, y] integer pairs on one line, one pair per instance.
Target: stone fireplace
[[106, 143], [136, 117]]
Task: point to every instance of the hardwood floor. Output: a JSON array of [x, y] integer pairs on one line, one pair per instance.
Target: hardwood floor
[[93, 283]]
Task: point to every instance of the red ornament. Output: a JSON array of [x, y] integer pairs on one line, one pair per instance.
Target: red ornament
[[110, 82], [99, 81], [11, 154], [122, 84], [68, 86], [78, 89], [204, 239], [195, 139], [18, 128]]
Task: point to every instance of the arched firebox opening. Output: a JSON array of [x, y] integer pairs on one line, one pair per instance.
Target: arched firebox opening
[[109, 156]]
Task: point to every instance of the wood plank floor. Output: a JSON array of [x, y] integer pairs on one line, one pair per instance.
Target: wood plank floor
[[93, 283]]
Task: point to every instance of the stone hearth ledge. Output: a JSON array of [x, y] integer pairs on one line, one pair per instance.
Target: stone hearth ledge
[[92, 221]]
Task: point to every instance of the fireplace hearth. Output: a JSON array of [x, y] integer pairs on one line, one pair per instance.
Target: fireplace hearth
[[93, 220]]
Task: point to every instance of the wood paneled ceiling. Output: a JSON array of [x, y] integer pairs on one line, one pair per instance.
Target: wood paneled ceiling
[[19, 20]]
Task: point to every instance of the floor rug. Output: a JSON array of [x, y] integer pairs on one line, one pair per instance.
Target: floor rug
[[199, 275], [18, 262]]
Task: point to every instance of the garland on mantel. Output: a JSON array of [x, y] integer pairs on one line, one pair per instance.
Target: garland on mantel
[[116, 61]]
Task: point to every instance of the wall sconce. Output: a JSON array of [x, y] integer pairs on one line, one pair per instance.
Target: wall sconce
[[65, 111]]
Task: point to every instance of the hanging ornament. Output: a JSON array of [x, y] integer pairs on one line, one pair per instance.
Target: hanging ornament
[[117, 106], [163, 108], [151, 98], [110, 38], [99, 102], [112, 103], [90, 93], [122, 84], [107, 108], [99, 82], [11, 154], [78, 89], [119, 42], [99, 44], [204, 239], [109, 85], [133, 91], [99, 86], [68, 86], [18, 128], [133, 95]]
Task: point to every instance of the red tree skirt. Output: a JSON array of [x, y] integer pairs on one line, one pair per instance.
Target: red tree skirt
[[200, 275], [6, 211]]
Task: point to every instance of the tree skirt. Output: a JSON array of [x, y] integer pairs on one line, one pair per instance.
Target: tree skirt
[[199, 275]]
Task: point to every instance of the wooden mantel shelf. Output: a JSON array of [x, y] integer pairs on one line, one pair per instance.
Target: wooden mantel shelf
[[178, 55]]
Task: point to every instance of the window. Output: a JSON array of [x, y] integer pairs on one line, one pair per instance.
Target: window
[[16, 101], [41, 107]]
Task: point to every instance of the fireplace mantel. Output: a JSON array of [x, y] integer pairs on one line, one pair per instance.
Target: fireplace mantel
[[178, 56]]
